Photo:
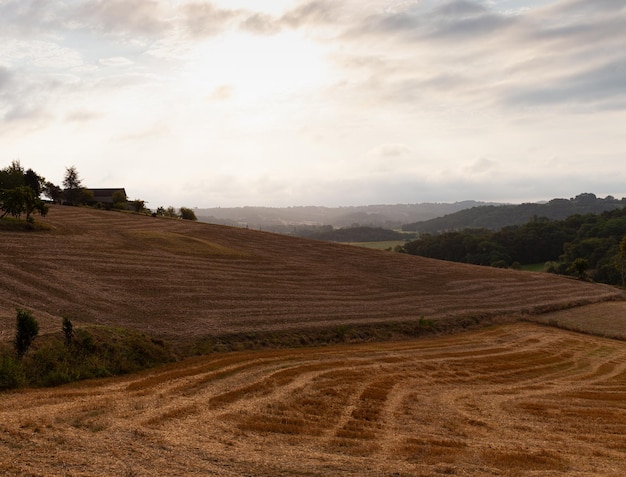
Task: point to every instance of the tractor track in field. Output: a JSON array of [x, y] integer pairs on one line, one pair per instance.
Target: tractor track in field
[[515, 399]]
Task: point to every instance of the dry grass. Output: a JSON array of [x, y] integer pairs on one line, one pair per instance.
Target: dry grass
[[602, 319], [515, 400]]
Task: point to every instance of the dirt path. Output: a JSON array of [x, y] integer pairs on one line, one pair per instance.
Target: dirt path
[[519, 399]]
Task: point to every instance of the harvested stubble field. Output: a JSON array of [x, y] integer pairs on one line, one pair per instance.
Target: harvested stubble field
[[514, 399], [180, 280]]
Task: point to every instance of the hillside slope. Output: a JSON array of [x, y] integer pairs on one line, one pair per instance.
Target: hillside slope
[[181, 279], [495, 217]]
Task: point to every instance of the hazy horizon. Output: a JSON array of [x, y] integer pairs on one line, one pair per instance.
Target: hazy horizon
[[315, 102]]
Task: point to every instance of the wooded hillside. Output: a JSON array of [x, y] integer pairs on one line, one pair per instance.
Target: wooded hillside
[[494, 217]]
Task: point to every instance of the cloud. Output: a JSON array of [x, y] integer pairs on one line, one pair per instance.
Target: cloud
[[5, 78], [452, 20], [115, 61], [480, 166], [120, 17], [567, 52], [26, 112], [26, 18], [390, 150], [314, 12], [82, 116], [205, 20], [261, 24], [223, 92], [23, 99], [601, 86]]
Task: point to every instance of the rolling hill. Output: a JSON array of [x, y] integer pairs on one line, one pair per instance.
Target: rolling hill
[[495, 217], [285, 219], [519, 399], [183, 280]]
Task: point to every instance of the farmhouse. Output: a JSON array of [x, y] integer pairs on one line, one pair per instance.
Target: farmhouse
[[105, 196]]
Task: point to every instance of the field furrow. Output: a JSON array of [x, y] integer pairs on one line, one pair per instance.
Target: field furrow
[[518, 399], [177, 279]]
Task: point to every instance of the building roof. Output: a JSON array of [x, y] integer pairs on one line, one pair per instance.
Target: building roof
[[106, 195]]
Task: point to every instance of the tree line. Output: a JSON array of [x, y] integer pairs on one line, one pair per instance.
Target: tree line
[[21, 191], [593, 245]]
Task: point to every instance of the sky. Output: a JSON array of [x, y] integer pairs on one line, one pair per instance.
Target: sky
[[318, 102]]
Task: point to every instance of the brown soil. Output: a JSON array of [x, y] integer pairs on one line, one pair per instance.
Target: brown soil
[[513, 400], [182, 280]]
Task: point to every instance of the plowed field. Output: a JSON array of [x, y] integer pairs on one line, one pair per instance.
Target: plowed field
[[178, 279], [515, 400]]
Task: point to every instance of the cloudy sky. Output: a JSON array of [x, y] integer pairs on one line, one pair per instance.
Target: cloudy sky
[[318, 102]]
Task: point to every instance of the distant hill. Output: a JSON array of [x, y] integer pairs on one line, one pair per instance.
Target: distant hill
[[353, 234], [284, 219], [495, 217]]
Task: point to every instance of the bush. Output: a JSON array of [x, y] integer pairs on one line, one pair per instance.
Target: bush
[[11, 373], [187, 214], [68, 331], [95, 353], [27, 331]]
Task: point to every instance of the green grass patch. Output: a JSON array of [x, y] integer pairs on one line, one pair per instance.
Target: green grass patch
[[340, 334], [385, 245], [534, 267], [93, 352]]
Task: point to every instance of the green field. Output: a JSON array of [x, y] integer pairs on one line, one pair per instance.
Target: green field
[[388, 244], [534, 267]]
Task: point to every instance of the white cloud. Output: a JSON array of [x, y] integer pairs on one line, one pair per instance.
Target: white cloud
[[120, 17], [480, 167], [115, 61]]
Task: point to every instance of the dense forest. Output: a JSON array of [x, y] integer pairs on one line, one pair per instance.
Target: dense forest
[[495, 217], [590, 245]]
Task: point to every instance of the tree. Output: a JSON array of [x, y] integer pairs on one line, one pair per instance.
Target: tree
[[53, 192], [580, 266], [19, 192], [187, 214], [27, 330], [73, 192], [12, 202], [34, 181], [622, 259], [138, 205], [12, 176], [22, 200], [68, 331], [119, 199], [33, 205]]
